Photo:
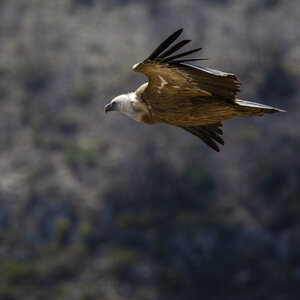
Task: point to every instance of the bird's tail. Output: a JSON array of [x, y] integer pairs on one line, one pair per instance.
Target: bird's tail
[[247, 108]]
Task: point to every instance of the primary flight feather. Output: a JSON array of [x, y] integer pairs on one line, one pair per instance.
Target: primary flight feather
[[194, 98]]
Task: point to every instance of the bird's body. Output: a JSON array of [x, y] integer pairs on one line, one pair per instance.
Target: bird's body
[[194, 98]]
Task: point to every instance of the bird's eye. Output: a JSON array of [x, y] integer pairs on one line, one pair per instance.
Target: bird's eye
[[113, 104]]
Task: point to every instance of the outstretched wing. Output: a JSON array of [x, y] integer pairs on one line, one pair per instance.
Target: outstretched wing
[[209, 134], [172, 81]]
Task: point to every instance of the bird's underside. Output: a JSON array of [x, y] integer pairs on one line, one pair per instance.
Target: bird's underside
[[194, 98]]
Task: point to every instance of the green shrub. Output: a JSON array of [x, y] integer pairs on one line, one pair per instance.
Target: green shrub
[[86, 231], [86, 294], [7, 292], [83, 92], [76, 155], [15, 272], [62, 230], [121, 259], [62, 264]]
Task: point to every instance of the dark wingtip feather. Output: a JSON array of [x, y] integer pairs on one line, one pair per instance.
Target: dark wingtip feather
[[162, 53], [188, 60], [165, 44], [170, 58], [174, 48]]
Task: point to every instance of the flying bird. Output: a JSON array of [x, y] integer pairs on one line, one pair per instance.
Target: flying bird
[[194, 98]]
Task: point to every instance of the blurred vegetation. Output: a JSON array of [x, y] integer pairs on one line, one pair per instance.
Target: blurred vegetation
[[100, 207]]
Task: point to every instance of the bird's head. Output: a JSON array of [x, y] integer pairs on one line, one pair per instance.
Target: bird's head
[[128, 105], [120, 103]]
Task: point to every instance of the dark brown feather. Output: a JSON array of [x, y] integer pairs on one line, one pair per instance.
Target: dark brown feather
[[193, 82], [220, 84]]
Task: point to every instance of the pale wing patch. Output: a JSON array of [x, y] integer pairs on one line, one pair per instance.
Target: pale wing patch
[[163, 82]]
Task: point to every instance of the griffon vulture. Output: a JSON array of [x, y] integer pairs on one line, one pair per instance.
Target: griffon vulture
[[194, 98]]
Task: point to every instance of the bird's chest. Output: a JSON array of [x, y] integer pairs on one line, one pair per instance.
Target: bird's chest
[[140, 113]]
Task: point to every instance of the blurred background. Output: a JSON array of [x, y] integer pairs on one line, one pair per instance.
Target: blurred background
[[96, 206]]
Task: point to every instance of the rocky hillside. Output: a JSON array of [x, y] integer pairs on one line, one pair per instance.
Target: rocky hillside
[[100, 207]]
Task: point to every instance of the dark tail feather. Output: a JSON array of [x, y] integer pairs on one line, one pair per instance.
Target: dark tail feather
[[247, 108], [165, 44], [209, 134]]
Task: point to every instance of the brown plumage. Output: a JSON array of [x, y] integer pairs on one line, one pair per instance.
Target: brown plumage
[[194, 98]]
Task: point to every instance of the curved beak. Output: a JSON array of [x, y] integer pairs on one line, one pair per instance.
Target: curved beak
[[108, 108]]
